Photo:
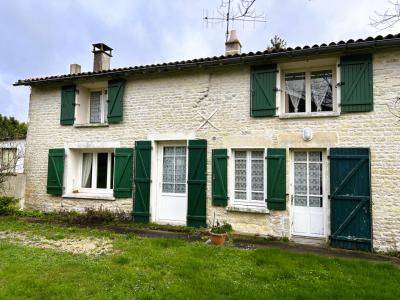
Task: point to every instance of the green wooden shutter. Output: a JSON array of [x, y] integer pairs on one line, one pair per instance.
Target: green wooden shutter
[[55, 172], [197, 183], [123, 171], [276, 179], [350, 198], [356, 83], [115, 100], [220, 177], [142, 181], [263, 91], [67, 105]]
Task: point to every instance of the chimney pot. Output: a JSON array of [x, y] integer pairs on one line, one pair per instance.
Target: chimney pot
[[233, 45], [74, 69], [102, 56]]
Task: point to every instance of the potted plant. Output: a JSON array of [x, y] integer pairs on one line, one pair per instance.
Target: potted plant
[[219, 232]]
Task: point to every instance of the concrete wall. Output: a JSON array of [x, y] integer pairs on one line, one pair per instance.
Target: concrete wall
[[14, 186], [165, 107]]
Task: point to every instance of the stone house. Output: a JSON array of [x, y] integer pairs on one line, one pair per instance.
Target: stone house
[[297, 142]]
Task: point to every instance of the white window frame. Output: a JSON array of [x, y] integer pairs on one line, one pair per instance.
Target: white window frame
[[103, 105], [325, 185], [94, 189], [308, 67], [248, 203], [307, 162]]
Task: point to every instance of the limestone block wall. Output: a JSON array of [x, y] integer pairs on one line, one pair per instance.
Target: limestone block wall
[[174, 104]]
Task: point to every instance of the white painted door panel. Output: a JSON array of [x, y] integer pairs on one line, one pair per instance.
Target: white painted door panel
[[171, 207]]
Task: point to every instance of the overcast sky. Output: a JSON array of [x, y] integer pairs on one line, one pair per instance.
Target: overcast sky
[[41, 37]]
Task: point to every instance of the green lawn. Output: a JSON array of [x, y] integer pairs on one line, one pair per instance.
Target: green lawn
[[173, 269]]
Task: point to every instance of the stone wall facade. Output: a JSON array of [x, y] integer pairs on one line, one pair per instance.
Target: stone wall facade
[[173, 105]]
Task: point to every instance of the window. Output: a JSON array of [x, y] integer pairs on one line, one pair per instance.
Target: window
[[98, 107], [97, 171], [249, 177], [174, 169], [8, 159], [308, 179], [309, 91], [91, 105]]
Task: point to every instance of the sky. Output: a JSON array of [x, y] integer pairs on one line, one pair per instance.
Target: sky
[[43, 37]]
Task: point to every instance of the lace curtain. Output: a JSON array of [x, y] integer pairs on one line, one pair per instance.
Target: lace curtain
[[320, 85], [95, 107], [174, 170], [308, 179], [295, 87], [87, 170]]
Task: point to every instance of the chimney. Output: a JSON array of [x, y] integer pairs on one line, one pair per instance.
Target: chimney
[[102, 55], [232, 45], [74, 69]]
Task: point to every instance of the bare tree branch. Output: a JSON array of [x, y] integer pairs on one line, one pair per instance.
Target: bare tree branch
[[245, 6], [394, 107], [388, 18], [9, 158], [227, 14]]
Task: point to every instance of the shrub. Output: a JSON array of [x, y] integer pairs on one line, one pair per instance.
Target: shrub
[[93, 216], [30, 213], [8, 206]]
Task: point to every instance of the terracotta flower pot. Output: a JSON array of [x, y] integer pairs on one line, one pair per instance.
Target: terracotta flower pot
[[218, 239]]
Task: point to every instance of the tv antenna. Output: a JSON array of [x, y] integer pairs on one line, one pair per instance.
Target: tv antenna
[[226, 13]]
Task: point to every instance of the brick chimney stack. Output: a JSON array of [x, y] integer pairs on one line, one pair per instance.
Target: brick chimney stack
[[232, 45], [102, 56]]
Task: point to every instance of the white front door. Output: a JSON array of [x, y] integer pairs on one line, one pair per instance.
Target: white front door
[[308, 218], [171, 206]]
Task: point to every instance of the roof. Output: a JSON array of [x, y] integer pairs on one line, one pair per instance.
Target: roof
[[349, 46]]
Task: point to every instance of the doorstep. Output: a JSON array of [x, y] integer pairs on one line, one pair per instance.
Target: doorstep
[[309, 240]]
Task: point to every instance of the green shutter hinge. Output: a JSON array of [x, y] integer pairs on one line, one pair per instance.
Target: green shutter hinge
[[339, 84]]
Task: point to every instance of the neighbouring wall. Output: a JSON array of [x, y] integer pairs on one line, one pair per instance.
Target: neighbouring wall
[[14, 186]]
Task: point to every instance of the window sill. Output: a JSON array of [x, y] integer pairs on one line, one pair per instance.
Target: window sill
[[309, 115], [248, 209], [108, 197], [91, 125]]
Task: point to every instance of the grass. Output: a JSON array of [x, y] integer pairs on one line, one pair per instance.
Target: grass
[[174, 269]]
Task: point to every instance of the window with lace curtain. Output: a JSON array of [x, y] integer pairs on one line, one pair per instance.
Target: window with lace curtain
[[310, 91], [249, 177]]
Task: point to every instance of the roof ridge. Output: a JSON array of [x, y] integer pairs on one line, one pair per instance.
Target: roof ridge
[[201, 60]]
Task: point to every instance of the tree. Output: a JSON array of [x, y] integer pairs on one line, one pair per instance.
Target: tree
[[277, 43], [388, 18], [10, 128]]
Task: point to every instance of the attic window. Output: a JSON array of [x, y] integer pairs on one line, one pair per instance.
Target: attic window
[[98, 107], [92, 106]]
